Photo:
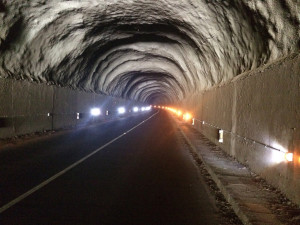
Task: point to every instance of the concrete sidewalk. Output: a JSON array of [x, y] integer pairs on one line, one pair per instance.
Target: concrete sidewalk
[[252, 203]]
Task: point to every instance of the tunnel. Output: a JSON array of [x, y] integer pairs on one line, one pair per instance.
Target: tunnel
[[233, 65]]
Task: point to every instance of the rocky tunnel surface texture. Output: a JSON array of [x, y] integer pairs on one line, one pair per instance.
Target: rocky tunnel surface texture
[[151, 51]]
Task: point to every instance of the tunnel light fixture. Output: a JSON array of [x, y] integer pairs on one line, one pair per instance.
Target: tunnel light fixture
[[147, 108], [187, 116], [135, 109], [277, 157], [193, 121], [95, 112], [173, 110], [289, 156], [121, 110], [77, 116], [179, 113], [106, 112], [221, 132]]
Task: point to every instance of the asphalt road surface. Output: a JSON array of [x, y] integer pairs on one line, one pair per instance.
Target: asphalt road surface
[[144, 176]]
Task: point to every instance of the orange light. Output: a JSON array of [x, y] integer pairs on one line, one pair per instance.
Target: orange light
[[187, 116], [289, 156], [179, 113]]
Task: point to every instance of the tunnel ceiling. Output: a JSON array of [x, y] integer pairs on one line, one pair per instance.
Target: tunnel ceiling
[[156, 51]]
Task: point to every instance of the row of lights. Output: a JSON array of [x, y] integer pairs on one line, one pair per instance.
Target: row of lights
[[121, 110], [288, 156], [185, 116]]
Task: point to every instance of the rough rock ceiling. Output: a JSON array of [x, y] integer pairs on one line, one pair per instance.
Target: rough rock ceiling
[[148, 50]]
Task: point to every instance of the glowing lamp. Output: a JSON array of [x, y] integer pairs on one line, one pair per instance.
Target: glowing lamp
[[95, 112], [187, 116], [289, 156], [121, 110], [179, 113], [135, 109]]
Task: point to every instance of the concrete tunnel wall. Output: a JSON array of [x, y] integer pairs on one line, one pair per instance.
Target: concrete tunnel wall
[[25, 106], [262, 105]]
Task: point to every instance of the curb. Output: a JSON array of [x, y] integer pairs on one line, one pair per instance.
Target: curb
[[242, 213]]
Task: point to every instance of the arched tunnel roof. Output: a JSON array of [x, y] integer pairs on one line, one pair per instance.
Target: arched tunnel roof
[[147, 50]]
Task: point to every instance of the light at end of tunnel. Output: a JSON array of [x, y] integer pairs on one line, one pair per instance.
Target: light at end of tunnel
[[289, 156], [221, 132], [121, 110], [135, 109], [95, 112]]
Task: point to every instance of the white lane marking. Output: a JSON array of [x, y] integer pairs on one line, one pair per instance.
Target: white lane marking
[[44, 183]]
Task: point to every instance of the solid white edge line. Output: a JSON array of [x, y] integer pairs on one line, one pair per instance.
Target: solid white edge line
[[44, 183]]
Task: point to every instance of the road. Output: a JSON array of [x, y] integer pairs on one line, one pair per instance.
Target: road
[[144, 177]]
